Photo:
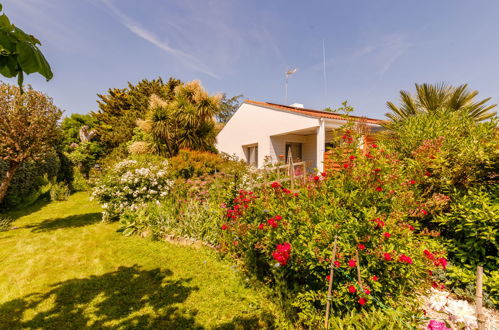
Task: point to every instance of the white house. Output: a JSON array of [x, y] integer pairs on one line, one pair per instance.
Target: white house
[[261, 130]]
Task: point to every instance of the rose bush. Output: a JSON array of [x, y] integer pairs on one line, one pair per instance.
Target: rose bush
[[286, 237]]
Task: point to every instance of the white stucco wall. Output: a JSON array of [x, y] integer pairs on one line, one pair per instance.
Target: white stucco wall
[[252, 124]]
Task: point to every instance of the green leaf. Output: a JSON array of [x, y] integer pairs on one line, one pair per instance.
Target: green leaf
[[32, 60], [8, 66]]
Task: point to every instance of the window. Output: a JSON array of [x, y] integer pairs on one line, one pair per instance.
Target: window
[[252, 155], [293, 150]]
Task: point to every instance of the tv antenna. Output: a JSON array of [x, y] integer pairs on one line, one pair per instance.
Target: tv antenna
[[288, 73]]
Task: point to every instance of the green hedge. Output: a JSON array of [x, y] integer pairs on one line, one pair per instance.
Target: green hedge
[[32, 180]]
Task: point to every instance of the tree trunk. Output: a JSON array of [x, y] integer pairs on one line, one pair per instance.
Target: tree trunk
[[13, 166]]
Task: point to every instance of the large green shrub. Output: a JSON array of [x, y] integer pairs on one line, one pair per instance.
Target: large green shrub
[[451, 148], [285, 238]]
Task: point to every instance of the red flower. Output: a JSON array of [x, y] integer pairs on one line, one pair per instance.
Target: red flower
[[374, 145], [278, 217], [379, 188], [361, 247], [404, 258], [366, 291], [424, 212], [324, 174], [413, 182], [441, 262], [387, 235], [352, 289], [434, 284], [387, 256], [345, 165], [375, 278], [352, 263], [272, 223], [235, 242], [411, 227], [430, 273], [282, 253], [427, 173], [276, 184], [379, 223], [296, 194], [352, 157], [328, 278], [261, 226], [429, 255], [316, 178], [224, 226], [337, 264], [362, 301], [376, 170]]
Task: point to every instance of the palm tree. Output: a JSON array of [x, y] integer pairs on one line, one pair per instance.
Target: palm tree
[[187, 121], [431, 97]]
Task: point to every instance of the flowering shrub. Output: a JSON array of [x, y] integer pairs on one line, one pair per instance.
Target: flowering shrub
[[129, 185], [286, 237], [194, 208]]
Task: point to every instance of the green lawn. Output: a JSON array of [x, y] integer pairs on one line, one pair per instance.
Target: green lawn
[[64, 269]]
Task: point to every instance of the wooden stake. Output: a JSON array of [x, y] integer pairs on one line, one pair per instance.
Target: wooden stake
[[330, 287], [358, 267], [479, 311]]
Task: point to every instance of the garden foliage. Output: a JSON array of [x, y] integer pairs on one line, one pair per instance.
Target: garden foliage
[[193, 208]]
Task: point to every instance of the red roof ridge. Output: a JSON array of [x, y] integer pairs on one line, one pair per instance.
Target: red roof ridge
[[313, 113]]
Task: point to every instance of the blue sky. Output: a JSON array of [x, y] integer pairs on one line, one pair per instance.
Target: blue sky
[[374, 48]]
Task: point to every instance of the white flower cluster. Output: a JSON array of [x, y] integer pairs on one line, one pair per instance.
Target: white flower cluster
[[130, 185], [459, 311]]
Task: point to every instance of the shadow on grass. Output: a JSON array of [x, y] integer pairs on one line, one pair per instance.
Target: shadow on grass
[[126, 298], [26, 210], [247, 323], [73, 221]]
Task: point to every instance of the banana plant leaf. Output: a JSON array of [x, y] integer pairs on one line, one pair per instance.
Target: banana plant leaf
[[19, 53]]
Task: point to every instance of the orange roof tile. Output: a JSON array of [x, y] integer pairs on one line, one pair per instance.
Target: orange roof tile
[[313, 113]]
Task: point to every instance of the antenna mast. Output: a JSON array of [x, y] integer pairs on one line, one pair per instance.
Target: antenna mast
[[324, 68], [288, 73]]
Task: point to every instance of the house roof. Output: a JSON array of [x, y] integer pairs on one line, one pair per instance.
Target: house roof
[[313, 113]]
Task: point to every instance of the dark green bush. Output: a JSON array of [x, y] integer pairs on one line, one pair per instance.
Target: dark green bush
[[30, 182]]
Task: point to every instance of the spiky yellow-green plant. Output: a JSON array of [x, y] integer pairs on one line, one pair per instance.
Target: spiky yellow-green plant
[[186, 121], [431, 97]]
